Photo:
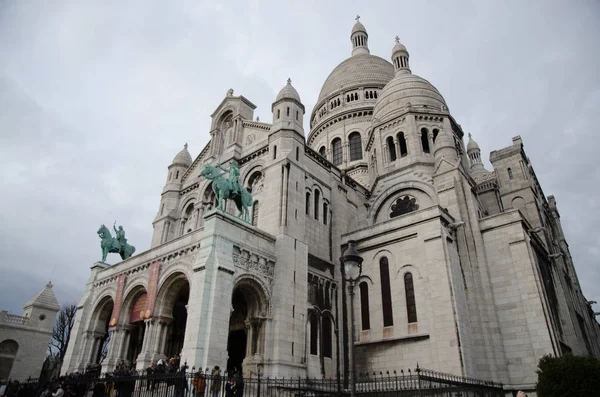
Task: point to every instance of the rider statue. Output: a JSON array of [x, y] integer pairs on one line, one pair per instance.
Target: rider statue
[[120, 235], [234, 178]]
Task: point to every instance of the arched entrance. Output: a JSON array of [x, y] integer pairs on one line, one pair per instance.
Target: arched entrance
[[8, 352], [237, 340], [101, 320], [245, 343], [133, 317], [172, 306]]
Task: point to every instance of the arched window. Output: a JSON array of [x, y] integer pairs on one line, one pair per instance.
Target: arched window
[[375, 94], [323, 152], [274, 152], [510, 174], [327, 338], [355, 146], [307, 202], [411, 306], [314, 333], [296, 115], [435, 134], [288, 111], [162, 208], [425, 140], [364, 306], [386, 293], [8, 352], [336, 147], [170, 175], [402, 142], [278, 114], [255, 213], [297, 153], [325, 210], [317, 199], [177, 175], [347, 98], [391, 148]]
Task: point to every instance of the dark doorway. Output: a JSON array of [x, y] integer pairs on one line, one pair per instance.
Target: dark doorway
[[175, 344], [236, 346], [236, 342], [136, 340]]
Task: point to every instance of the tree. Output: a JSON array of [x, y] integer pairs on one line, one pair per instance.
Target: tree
[[61, 333], [568, 376]]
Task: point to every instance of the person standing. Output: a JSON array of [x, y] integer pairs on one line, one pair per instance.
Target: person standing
[[215, 387]]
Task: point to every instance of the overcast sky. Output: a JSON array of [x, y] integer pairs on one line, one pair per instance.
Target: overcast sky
[[97, 97]]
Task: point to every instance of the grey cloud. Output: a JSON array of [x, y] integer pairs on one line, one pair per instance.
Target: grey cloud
[[96, 98]]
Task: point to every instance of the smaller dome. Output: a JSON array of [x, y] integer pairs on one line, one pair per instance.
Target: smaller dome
[[472, 145], [398, 47], [183, 157], [288, 92], [358, 27]]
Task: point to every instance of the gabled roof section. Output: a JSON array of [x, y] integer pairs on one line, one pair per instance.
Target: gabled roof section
[[229, 98], [45, 299]]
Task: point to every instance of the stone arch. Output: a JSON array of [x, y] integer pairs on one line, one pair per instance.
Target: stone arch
[[394, 190], [252, 180], [133, 292], [101, 312], [168, 289], [208, 197], [8, 352], [220, 118], [257, 165], [172, 307], [250, 307], [408, 268], [256, 288], [365, 278], [391, 260]]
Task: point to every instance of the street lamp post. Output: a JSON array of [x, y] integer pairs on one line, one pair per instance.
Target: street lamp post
[[352, 262]]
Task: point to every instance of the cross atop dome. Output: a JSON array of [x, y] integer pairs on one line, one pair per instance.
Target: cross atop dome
[[289, 81], [397, 39], [185, 146], [359, 38]]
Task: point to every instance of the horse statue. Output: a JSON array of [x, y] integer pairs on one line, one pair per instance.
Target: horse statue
[[226, 189], [115, 245]]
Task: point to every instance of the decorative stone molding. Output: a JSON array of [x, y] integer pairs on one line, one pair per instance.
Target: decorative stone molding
[[166, 259], [257, 153], [254, 263]]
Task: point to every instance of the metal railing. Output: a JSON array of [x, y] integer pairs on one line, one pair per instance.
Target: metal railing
[[417, 382]]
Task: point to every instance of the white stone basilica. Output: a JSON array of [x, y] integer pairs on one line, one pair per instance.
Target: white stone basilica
[[465, 271]]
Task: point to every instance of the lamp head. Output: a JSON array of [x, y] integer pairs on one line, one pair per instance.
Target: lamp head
[[352, 262]]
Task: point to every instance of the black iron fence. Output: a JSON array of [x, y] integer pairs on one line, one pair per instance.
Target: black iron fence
[[418, 382]]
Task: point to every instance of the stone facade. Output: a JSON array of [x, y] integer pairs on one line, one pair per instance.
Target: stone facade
[[24, 339], [465, 270]]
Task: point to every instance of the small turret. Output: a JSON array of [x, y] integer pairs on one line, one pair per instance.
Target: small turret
[[359, 38], [288, 110], [400, 58], [42, 309], [164, 223], [474, 154]]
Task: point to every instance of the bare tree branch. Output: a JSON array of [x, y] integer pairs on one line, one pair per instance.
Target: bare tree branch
[[61, 333]]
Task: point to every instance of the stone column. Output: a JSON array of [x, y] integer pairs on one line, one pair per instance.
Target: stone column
[[85, 351], [386, 155], [397, 146], [200, 215], [114, 348]]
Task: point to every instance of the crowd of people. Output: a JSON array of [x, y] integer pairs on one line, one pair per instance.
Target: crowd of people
[[161, 378]]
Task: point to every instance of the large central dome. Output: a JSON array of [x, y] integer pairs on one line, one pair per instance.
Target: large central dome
[[358, 70]]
